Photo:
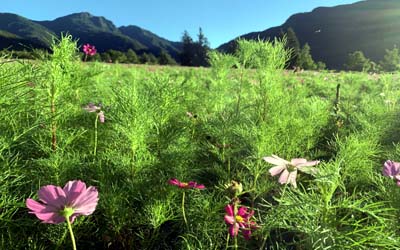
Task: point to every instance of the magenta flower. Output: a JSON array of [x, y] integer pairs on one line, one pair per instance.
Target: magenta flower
[[186, 185], [239, 220], [288, 170], [56, 203], [89, 50], [392, 170]]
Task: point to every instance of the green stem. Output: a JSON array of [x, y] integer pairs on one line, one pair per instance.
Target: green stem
[[71, 233], [95, 135], [183, 209], [227, 241], [236, 245]]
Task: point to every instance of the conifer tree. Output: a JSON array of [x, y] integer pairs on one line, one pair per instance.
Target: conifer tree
[[187, 53], [165, 59], [305, 60], [391, 60], [356, 61], [293, 45]]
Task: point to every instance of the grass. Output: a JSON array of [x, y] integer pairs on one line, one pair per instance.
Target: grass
[[208, 125]]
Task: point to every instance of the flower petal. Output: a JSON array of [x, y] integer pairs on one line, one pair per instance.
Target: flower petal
[[174, 182], [229, 219], [73, 190], [292, 178], [229, 210], [276, 170], [52, 195], [283, 179], [101, 117], [47, 214], [242, 211], [276, 160], [307, 164], [246, 233], [391, 168], [234, 229], [297, 161], [86, 202]]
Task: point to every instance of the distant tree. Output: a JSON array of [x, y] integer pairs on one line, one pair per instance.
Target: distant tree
[[194, 53], [117, 56], [321, 65], [356, 61], [148, 58], [152, 59], [187, 53], [201, 47], [165, 59], [131, 56], [105, 57], [391, 60], [305, 60], [293, 45]]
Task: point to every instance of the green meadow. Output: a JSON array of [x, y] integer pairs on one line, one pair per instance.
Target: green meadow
[[212, 126]]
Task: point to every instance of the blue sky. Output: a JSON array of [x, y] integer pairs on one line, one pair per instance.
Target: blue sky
[[221, 20]]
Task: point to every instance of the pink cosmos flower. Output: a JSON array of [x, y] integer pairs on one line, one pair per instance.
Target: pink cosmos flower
[[186, 185], [58, 203], [239, 220], [89, 50], [95, 108], [288, 170], [392, 170]]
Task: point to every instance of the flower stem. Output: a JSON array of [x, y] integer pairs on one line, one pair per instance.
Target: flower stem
[[95, 135], [183, 209], [227, 241], [236, 245], [71, 233]]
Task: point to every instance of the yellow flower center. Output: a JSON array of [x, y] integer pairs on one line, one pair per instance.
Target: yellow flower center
[[184, 184], [239, 218]]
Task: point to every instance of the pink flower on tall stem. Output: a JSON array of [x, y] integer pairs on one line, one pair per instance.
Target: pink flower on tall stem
[[56, 203], [288, 170], [239, 220], [91, 107], [392, 170], [186, 185], [89, 50]]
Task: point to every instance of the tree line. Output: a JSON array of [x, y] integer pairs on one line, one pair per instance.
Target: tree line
[[195, 53]]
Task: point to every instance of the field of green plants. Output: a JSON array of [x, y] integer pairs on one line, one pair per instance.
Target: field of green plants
[[182, 159]]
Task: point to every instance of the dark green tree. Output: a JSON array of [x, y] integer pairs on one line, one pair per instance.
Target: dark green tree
[[356, 61], [391, 60], [305, 60], [148, 58], [187, 53], [201, 47], [131, 56], [293, 45], [117, 56], [194, 53], [165, 59]]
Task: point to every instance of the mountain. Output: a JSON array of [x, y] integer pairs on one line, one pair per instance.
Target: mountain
[[94, 30], [20, 29], [16, 30], [151, 40], [333, 32]]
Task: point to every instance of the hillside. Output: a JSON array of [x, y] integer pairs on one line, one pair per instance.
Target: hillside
[[17, 30], [333, 32]]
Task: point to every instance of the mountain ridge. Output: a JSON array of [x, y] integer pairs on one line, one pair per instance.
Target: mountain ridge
[[333, 32], [83, 26]]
